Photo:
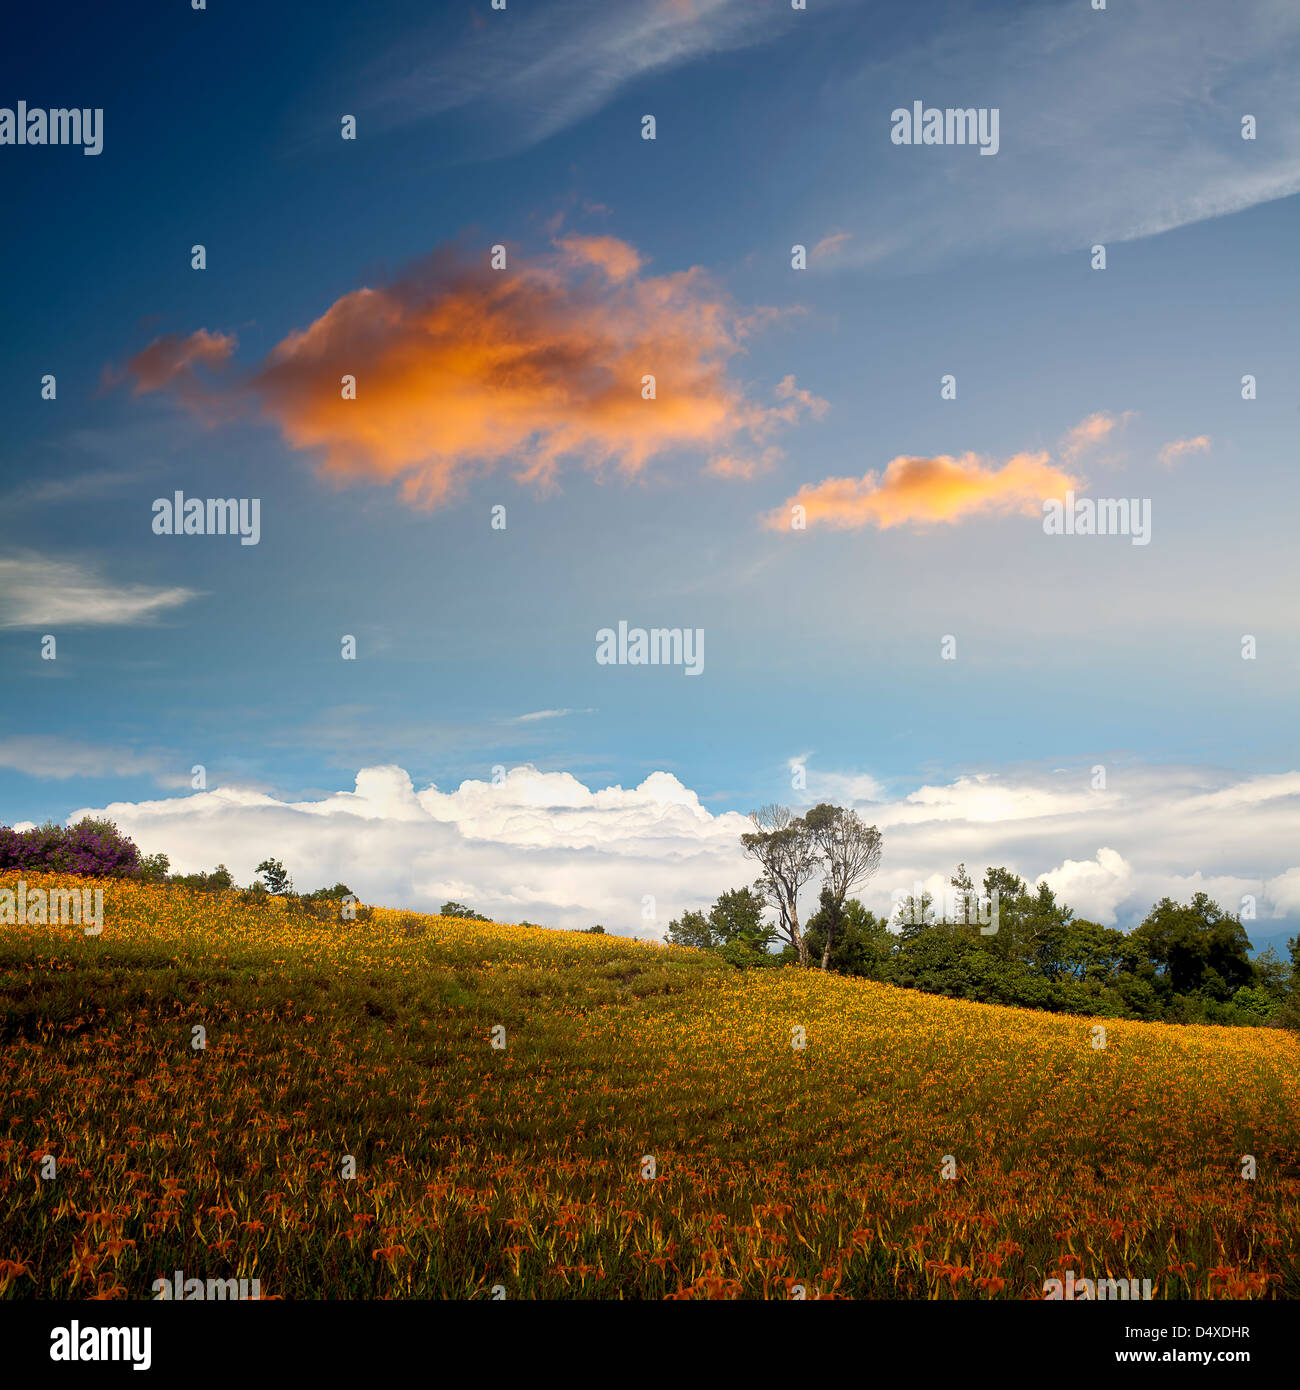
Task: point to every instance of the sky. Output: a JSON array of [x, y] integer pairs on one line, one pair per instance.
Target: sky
[[773, 377]]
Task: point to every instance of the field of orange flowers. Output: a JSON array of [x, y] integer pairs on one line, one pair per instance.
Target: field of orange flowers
[[648, 1130]]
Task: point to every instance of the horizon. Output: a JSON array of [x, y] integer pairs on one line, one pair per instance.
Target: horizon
[[886, 377]]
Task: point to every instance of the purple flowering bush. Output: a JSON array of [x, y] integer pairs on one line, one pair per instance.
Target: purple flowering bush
[[91, 848]]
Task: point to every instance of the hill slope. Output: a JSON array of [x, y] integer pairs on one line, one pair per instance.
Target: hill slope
[[523, 1166]]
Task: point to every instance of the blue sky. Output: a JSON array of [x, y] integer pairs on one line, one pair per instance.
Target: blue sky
[[822, 647]]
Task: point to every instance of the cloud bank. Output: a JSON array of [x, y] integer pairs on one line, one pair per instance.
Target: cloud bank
[[544, 847]]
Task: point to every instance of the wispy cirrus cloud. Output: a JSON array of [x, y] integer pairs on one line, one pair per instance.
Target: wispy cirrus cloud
[[39, 592], [1178, 449], [830, 246], [548, 66], [58, 758], [89, 485], [743, 467], [539, 714], [1110, 131], [459, 368]]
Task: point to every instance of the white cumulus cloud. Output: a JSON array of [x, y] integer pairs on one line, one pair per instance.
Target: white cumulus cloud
[[546, 847]]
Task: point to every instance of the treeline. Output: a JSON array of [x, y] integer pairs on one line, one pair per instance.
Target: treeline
[[96, 848], [1185, 962], [1002, 943], [1006, 944], [337, 902]]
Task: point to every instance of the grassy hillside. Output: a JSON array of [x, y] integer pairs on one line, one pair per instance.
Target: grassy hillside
[[522, 1167]]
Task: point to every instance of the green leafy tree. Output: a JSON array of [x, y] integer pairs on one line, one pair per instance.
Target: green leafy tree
[[692, 929], [782, 845], [862, 944], [850, 854], [1288, 1012], [1256, 1004], [736, 919], [275, 878], [733, 928], [1195, 946], [339, 890], [1009, 892], [1272, 974], [965, 898], [914, 915], [217, 881], [154, 868], [455, 909]]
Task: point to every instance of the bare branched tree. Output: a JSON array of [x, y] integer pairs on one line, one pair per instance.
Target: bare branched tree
[[783, 848], [850, 851]]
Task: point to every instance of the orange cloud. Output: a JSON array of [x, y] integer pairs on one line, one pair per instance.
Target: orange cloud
[[169, 361], [459, 367], [927, 490], [830, 245], [616, 258], [1172, 452], [742, 467], [797, 399], [1089, 433]]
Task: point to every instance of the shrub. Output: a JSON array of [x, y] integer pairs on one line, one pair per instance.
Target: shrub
[[465, 914], [277, 877], [91, 848], [339, 891], [218, 881], [154, 868]]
